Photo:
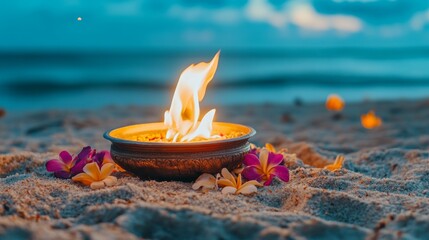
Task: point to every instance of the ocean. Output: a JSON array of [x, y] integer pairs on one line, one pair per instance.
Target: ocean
[[84, 79]]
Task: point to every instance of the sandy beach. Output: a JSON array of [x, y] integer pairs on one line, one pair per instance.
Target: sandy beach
[[381, 193]]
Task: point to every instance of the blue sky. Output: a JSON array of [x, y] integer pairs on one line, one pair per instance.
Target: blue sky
[[142, 24]]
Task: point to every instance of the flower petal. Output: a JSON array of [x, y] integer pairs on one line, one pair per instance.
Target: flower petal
[[252, 173], [229, 190], [92, 170], [83, 178], [281, 172], [239, 180], [84, 153], [263, 159], [106, 170], [99, 158], [107, 157], [97, 185], [66, 157], [78, 167], [62, 174], [270, 147], [110, 181], [206, 180], [225, 182], [251, 160], [226, 174], [252, 182], [274, 159], [269, 180], [248, 189], [55, 165]]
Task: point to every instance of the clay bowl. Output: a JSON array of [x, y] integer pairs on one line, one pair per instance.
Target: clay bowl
[[177, 161]]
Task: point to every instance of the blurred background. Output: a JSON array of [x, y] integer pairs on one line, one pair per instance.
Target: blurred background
[[69, 54]]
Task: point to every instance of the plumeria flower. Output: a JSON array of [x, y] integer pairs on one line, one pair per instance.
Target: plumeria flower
[[96, 177], [265, 167], [206, 182], [67, 166], [235, 185], [337, 165], [105, 157]]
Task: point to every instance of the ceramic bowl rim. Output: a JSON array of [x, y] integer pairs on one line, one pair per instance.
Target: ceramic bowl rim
[[115, 140]]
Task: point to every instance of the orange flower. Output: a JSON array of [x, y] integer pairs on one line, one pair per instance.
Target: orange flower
[[337, 165], [334, 103], [370, 120], [95, 177], [235, 185]]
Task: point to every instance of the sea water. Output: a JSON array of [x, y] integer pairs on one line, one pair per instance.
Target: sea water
[[70, 80]]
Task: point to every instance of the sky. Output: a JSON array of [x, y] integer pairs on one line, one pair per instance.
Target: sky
[[177, 24]]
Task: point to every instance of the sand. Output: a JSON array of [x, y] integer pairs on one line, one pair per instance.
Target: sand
[[381, 193]]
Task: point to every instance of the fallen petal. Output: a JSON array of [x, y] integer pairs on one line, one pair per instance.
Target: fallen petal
[[78, 167], [84, 153], [270, 147], [106, 170], [269, 180], [97, 185], [110, 181], [92, 170], [247, 189], [83, 178], [251, 160], [225, 182], [263, 159], [282, 172], [274, 159], [205, 181], [252, 173], [55, 165], [66, 157], [229, 190], [226, 174]]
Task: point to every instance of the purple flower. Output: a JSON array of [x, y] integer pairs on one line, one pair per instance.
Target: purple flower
[[264, 167], [67, 166]]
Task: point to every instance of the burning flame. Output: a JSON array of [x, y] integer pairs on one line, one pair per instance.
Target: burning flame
[[370, 120], [182, 118]]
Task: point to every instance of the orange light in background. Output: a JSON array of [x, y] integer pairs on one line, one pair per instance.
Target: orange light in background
[[79, 19], [370, 120], [334, 103]]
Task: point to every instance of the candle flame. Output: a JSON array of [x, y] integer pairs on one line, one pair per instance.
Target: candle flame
[[182, 118]]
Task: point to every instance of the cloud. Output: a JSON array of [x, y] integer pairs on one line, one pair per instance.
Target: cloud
[[301, 14], [420, 20], [263, 11], [304, 16], [225, 15]]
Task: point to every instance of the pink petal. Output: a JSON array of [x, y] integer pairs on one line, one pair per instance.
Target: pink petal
[[254, 151], [269, 180], [55, 165], [251, 160], [251, 173], [274, 159], [281, 172], [66, 157], [78, 167], [84, 153]]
